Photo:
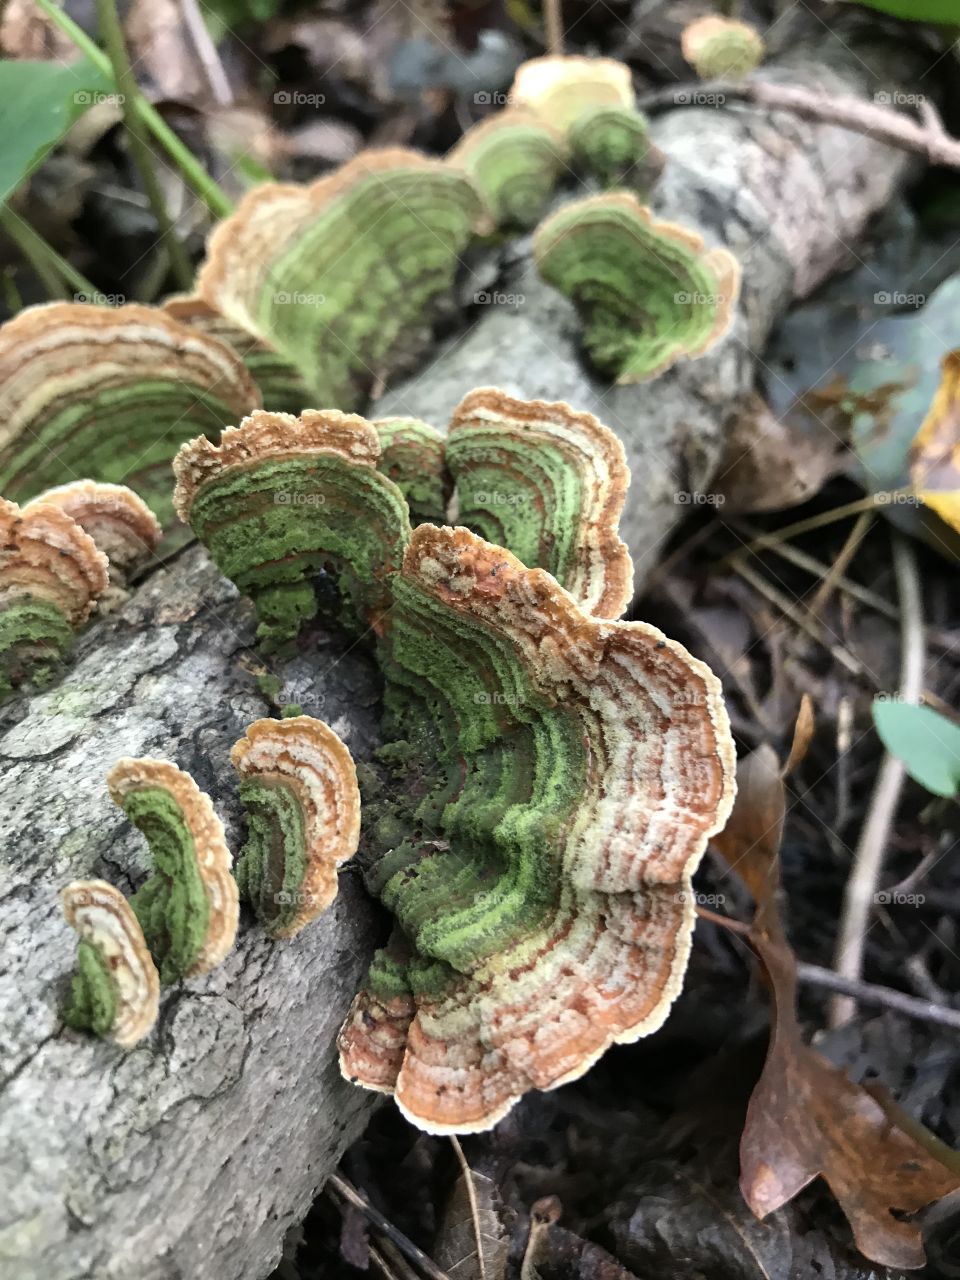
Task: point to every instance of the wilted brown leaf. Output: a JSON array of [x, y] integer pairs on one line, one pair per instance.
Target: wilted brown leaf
[[935, 452], [455, 1249], [806, 1118]]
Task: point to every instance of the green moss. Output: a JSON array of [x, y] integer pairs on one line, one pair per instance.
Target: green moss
[[413, 458], [613, 144], [34, 634], [273, 861], [515, 160], [270, 685], [172, 907], [92, 1003]]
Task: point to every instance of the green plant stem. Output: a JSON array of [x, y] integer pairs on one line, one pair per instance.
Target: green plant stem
[[193, 171], [126, 82], [57, 275]]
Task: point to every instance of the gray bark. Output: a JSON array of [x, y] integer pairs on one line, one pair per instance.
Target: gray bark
[[191, 1154], [788, 197]]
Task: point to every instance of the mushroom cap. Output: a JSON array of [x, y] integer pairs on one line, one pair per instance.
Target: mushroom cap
[[298, 761], [46, 555], [282, 499], [190, 904], [721, 48], [583, 766], [613, 143], [648, 291], [412, 456], [341, 276], [105, 922], [281, 385], [560, 88], [549, 484], [120, 523], [109, 392], [515, 158]]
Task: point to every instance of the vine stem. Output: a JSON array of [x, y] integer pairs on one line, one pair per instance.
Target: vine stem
[[54, 271], [193, 171], [113, 38]]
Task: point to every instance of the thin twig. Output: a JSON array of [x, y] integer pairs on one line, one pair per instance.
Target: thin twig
[[113, 38], [553, 16], [870, 993], [386, 1228], [860, 529], [474, 1207], [54, 271], [193, 171], [859, 895], [927, 137], [773, 540], [206, 51]]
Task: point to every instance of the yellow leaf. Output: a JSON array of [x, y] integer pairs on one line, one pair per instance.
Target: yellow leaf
[[935, 452]]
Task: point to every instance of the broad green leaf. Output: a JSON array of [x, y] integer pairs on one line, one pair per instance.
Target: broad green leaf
[[918, 10], [39, 101], [927, 743]]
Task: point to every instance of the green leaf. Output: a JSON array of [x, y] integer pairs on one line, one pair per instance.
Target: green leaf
[[39, 101], [927, 743], [918, 10]]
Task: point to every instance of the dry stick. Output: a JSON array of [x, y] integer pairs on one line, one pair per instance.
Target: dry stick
[[855, 537], [861, 886], [871, 993], [206, 51], [928, 138], [386, 1228], [112, 34], [554, 22], [474, 1207], [773, 540]]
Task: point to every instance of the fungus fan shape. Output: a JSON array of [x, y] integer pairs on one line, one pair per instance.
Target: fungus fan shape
[[120, 523], [341, 277], [109, 393], [412, 456], [51, 576], [515, 158], [281, 385], [648, 292], [542, 895], [283, 502], [548, 484], [188, 908], [722, 48], [613, 143], [299, 787], [116, 990]]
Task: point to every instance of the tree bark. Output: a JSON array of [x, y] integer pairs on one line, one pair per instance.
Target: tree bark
[[791, 198], [191, 1154]]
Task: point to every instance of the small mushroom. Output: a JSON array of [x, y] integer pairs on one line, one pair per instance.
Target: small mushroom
[[412, 456], [188, 908], [282, 500], [51, 576], [120, 523], [109, 393], [515, 157], [299, 787], [613, 143], [116, 990], [341, 277], [572, 770], [648, 292], [722, 48], [549, 484]]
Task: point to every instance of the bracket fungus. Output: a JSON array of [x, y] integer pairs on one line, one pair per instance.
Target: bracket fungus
[[341, 277], [412, 456], [188, 908], [281, 385], [116, 990], [548, 484], [515, 157], [613, 143], [299, 787], [722, 48], [648, 292], [284, 502], [120, 523], [583, 765], [51, 576], [110, 393]]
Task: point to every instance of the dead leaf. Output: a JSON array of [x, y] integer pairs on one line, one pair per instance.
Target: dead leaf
[[802, 736], [935, 452], [455, 1249], [806, 1119]]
